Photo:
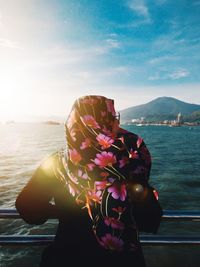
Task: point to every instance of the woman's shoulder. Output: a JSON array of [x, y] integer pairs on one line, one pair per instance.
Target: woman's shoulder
[[52, 167], [127, 134]]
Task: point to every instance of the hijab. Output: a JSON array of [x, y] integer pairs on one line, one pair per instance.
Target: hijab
[[101, 165]]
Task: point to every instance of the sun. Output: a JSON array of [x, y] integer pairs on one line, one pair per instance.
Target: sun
[[12, 95]]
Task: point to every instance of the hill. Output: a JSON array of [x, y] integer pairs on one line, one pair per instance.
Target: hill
[[161, 108]]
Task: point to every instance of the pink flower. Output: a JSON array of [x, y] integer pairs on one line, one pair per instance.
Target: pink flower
[[115, 223], [119, 210], [155, 194], [123, 162], [74, 156], [139, 141], [118, 190], [133, 154], [104, 141], [82, 175], [101, 185], [85, 144], [90, 166], [111, 242], [94, 196], [105, 159], [90, 121]]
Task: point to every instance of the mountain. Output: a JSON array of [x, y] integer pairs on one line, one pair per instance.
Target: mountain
[[159, 109]]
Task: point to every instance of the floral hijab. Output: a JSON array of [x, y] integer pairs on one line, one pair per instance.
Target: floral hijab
[[100, 167]]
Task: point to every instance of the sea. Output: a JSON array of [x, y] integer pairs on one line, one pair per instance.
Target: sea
[[175, 174]]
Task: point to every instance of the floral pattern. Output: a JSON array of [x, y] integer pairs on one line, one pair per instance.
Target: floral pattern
[[99, 164], [104, 159], [104, 141], [118, 191], [111, 242]]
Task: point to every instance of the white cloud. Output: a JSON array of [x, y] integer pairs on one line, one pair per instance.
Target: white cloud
[[134, 23], [178, 74], [155, 77], [140, 7], [112, 43], [122, 70], [72, 54], [169, 41], [95, 77], [165, 75], [113, 35], [161, 59]]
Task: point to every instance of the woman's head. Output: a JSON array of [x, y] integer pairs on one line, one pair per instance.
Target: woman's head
[[91, 127], [90, 114]]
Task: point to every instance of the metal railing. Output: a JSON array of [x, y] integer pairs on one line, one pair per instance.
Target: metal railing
[[168, 215]]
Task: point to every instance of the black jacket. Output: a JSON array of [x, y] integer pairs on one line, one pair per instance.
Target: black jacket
[[74, 240]]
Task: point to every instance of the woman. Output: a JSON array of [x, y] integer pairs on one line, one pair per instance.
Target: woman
[[97, 182]]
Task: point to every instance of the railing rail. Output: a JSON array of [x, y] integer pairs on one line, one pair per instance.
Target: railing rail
[[144, 239], [168, 215], [186, 215]]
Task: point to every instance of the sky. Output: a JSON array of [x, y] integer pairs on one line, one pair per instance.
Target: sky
[[54, 51]]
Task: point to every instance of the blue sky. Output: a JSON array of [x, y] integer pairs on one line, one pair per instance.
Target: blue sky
[[131, 50]]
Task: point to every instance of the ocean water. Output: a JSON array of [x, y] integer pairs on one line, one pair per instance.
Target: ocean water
[[175, 174]]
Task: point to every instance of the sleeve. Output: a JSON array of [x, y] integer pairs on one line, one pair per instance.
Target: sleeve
[[146, 208], [33, 202], [146, 158]]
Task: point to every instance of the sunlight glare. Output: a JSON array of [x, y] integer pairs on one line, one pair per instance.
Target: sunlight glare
[[13, 95]]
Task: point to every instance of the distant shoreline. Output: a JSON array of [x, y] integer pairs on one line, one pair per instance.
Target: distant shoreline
[[163, 124], [32, 122]]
